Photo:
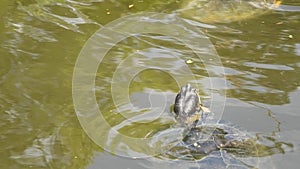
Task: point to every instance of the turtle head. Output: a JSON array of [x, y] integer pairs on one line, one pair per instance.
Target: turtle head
[[187, 105]]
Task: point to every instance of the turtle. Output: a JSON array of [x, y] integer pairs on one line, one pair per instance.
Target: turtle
[[220, 145], [188, 105], [225, 11]]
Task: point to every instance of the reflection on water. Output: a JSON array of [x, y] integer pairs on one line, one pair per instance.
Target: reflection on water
[[40, 41], [64, 14]]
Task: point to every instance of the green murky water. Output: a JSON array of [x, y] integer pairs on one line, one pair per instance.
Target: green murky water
[[41, 40]]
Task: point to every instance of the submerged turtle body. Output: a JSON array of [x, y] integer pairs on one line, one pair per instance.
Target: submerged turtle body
[[219, 146], [222, 11]]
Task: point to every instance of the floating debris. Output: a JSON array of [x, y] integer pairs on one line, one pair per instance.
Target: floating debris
[[130, 6], [107, 12], [189, 61]]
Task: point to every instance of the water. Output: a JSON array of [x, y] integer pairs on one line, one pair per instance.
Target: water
[[41, 40]]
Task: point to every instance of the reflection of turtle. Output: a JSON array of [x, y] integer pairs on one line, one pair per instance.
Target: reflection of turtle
[[217, 145], [212, 11]]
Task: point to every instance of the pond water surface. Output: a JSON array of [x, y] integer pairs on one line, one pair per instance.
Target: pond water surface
[[40, 41]]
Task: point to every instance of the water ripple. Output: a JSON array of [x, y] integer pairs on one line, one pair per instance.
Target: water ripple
[[69, 19], [267, 66]]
